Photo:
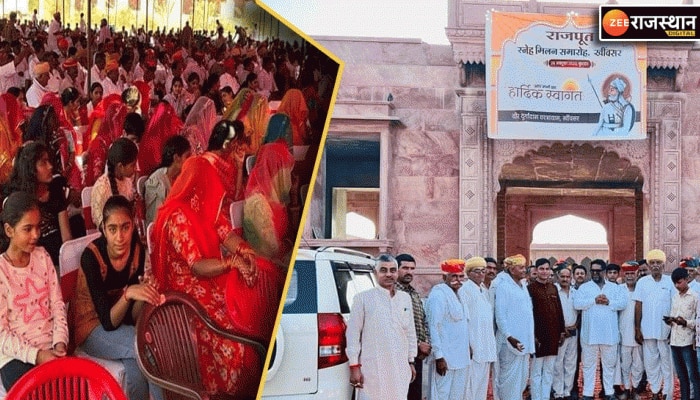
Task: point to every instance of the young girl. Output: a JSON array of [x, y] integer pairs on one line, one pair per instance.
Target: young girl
[[119, 178], [110, 294], [175, 151], [33, 327], [33, 173]]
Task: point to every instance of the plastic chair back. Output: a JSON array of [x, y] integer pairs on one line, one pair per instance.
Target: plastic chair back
[[141, 186], [67, 378], [87, 209], [69, 262], [236, 214], [166, 344], [249, 163]]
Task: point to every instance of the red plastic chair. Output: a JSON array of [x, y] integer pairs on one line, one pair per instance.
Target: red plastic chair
[[166, 345], [67, 378]]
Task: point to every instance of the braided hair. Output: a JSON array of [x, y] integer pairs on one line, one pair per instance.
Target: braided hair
[[122, 151]]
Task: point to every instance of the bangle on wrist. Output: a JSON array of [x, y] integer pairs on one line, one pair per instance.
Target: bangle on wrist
[[243, 248], [356, 366]]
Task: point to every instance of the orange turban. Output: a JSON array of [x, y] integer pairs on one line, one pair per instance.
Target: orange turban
[[452, 266]]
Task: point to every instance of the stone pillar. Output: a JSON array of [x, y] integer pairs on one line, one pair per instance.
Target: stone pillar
[[665, 189], [476, 200]]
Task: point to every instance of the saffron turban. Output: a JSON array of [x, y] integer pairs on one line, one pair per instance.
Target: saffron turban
[[473, 263], [517, 259], [657, 255]]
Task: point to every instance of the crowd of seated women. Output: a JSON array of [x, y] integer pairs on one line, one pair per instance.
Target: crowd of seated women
[[171, 125]]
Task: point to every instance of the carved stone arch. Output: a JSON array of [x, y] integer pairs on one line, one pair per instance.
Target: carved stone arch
[[587, 180], [571, 164]]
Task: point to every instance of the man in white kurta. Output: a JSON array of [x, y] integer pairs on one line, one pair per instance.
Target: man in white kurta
[[565, 363], [631, 362], [39, 87], [515, 329], [482, 339], [653, 296], [448, 323], [599, 300], [382, 338]]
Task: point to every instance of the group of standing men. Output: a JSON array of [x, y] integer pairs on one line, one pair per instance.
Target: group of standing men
[[504, 328]]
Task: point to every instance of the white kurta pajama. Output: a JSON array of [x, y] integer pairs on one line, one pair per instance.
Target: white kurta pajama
[[656, 302], [381, 336], [448, 323], [565, 363], [631, 361], [481, 339], [513, 312], [599, 332]]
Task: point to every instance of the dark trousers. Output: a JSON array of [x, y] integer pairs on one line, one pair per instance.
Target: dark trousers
[[685, 361], [415, 388], [12, 371]]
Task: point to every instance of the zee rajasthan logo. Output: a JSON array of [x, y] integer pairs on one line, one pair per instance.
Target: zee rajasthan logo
[[648, 23]]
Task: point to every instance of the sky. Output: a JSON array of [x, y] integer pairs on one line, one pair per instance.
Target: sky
[[422, 19]]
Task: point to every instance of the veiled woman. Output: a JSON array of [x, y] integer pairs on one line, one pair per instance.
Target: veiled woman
[[199, 123], [294, 105], [163, 125], [253, 110], [110, 129], [11, 118], [265, 213], [238, 290]]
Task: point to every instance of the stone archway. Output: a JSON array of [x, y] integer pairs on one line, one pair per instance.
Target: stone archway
[[579, 179]]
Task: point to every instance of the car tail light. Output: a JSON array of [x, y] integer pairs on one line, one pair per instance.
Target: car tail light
[[331, 340]]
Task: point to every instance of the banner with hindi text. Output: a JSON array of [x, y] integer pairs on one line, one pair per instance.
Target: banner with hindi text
[[549, 78]]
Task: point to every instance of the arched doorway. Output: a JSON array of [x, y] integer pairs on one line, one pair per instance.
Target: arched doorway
[[569, 237], [578, 179]]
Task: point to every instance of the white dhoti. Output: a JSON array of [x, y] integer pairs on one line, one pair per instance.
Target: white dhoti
[[494, 379], [478, 381], [565, 367], [451, 386], [608, 358], [658, 364], [631, 366], [512, 373]]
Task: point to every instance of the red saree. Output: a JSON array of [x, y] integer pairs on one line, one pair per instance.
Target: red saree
[[110, 128], [265, 221], [191, 225], [69, 169], [11, 117], [294, 105], [162, 126]]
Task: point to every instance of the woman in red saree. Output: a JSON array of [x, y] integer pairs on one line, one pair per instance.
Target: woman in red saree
[[265, 213], [11, 117], [96, 116], [294, 105], [253, 110], [68, 168], [199, 124], [163, 125], [238, 290], [110, 129]]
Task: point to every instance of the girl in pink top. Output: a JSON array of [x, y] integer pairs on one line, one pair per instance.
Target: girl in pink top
[[33, 327]]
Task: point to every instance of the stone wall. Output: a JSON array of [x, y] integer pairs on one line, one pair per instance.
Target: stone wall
[[690, 151], [424, 183]]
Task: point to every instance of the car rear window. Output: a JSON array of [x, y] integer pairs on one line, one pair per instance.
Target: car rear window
[[351, 279], [301, 295]]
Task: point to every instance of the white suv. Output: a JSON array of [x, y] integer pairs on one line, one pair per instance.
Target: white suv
[[309, 360]]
